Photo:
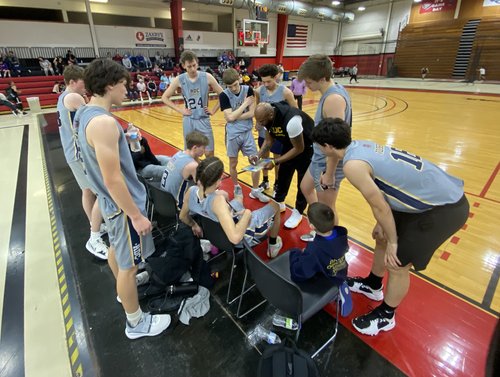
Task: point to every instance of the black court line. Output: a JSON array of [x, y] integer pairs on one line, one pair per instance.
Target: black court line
[[12, 340], [492, 285]]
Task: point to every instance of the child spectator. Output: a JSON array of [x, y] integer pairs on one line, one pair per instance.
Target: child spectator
[[142, 88], [56, 88], [152, 88], [46, 66], [325, 254], [13, 95], [164, 82], [4, 68]]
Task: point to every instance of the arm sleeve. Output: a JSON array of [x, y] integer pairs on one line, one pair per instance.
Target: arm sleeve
[[294, 126], [302, 265], [250, 92], [224, 102]]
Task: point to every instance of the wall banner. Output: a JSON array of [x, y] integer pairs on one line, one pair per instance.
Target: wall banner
[[193, 37], [149, 38], [429, 6], [491, 3]]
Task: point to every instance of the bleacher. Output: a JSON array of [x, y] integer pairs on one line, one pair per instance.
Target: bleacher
[[428, 44], [486, 49]]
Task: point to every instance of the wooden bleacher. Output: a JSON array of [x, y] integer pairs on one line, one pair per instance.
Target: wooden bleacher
[[486, 49], [428, 44]]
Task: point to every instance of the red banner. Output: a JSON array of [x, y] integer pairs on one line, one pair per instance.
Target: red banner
[[429, 6]]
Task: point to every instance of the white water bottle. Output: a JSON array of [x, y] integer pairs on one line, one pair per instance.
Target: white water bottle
[[260, 333], [135, 143]]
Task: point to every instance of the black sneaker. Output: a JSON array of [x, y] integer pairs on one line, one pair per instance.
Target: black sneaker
[[358, 285], [264, 185], [374, 322]]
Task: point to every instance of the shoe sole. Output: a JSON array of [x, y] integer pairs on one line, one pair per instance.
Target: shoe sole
[[137, 336], [97, 255], [389, 327], [254, 197], [294, 225], [371, 296]]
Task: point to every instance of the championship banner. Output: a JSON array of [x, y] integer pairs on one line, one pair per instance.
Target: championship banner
[[150, 38], [429, 6], [491, 3], [193, 37]]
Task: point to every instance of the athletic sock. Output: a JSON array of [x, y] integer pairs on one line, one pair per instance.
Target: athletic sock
[[373, 281], [94, 236], [272, 240], [387, 311], [134, 318]]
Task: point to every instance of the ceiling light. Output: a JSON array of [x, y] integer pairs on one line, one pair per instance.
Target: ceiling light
[[417, 1], [183, 9], [361, 9], [98, 1], [335, 3]]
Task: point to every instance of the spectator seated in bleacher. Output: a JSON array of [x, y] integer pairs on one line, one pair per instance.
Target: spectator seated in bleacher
[[127, 63], [58, 64], [148, 63], [177, 70], [132, 92], [142, 87], [13, 108], [164, 82], [147, 164], [151, 87], [4, 67], [13, 95], [71, 58], [117, 58], [157, 58], [140, 61], [58, 87], [169, 62], [157, 70], [46, 66], [14, 65]]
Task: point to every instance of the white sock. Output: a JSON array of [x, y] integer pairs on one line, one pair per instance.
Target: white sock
[[134, 318], [94, 236]]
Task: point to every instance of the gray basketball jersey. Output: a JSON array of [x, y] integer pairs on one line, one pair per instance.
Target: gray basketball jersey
[[264, 96], [408, 182], [195, 94], [172, 180], [107, 205], [67, 132], [203, 206], [238, 127], [335, 89]]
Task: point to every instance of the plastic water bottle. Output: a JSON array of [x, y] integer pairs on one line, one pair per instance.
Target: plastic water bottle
[[135, 143], [285, 322], [260, 333]]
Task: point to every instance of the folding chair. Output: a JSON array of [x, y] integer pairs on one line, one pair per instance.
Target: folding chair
[[297, 300], [164, 207]]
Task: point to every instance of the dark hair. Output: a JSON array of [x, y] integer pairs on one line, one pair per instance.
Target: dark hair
[[209, 171], [332, 131], [72, 72], [315, 68], [321, 217], [101, 73], [230, 76], [268, 70], [196, 138]]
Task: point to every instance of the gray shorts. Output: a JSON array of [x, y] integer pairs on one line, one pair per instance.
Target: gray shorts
[[201, 125], [260, 222], [317, 168], [244, 143], [79, 173], [130, 248]]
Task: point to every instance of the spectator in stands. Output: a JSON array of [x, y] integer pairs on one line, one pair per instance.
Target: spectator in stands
[[424, 72], [4, 68], [46, 66], [164, 82], [142, 88], [354, 74], [180, 172], [169, 62], [151, 87], [132, 92], [147, 62], [482, 73], [11, 106], [157, 57], [58, 64], [177, 70], [13, 95], [298, 88], [281, 73], [13, 62], [71, 58], [117, 58], [242, 64], [57, 88], [157, 70], [147, 164], [127, 63], [141, 62]]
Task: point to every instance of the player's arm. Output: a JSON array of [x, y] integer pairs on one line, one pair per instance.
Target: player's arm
[[288, 94], [266, 146], [174, 85], [103, 135], [189, 171], [186, 217], [234, 232], [334, 107], [73, 101], [212, 82], [239, 113]]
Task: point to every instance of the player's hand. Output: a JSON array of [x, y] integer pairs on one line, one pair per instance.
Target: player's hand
[[197, 231], [186, 112], [248, 101], [270, 165], [378, 233], [141, 225], [391, 258], [326, 182], [208, 111], [253, 159]]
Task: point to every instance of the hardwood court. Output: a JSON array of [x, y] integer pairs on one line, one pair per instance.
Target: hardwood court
[[456, 131]]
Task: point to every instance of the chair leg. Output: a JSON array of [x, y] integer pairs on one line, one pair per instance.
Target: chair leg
[[243, 292], [228, 300], [332, 339]]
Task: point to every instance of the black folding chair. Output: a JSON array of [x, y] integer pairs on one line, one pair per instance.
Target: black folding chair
[[163, 207], [298, 300]]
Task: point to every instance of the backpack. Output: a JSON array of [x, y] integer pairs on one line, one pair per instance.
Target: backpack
[[280, 361]]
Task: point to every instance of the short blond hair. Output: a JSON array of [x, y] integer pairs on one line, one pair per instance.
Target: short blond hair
[[316, 67], [230, 76]]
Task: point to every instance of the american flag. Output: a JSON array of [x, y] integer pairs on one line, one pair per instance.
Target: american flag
[[296, 36]]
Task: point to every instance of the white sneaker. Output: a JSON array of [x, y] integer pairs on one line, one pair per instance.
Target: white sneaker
[[273, 250], [98, 248], [257, 194], [149, 325], [294, 220], [282, 207], [309, 237]]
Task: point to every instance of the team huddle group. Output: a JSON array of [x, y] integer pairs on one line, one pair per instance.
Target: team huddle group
[[416, 205]]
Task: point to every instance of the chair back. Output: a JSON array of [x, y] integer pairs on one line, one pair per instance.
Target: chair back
[[274, 286], [164, 202], [212, 231]]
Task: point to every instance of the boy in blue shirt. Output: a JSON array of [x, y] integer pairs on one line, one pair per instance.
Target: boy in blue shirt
[[325, 254]]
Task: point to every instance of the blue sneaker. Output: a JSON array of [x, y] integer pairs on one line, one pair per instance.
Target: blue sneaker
[[345, 300]]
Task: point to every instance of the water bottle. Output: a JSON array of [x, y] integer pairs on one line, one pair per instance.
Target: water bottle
[[285, 322], [260, 333], [135, 143]]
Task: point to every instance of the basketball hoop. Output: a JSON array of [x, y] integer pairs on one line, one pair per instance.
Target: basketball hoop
[[259, 42]]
